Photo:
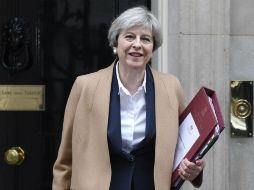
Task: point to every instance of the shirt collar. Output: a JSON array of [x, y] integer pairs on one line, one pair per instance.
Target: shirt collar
[[121, 86]]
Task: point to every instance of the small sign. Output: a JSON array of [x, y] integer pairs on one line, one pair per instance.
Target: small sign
[[22, 97]]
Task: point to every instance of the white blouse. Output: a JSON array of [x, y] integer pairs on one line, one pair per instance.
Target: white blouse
[[133, 114]]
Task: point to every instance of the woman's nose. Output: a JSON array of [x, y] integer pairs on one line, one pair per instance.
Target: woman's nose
[[136, 43]]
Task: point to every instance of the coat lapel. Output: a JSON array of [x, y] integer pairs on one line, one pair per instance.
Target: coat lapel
[[150, 106], [114, 120], [150, 110], [100, 104]]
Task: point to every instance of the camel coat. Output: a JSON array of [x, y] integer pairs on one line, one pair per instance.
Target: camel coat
[[83, 161]]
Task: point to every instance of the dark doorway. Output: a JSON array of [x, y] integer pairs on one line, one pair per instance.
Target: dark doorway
[[46, 43]]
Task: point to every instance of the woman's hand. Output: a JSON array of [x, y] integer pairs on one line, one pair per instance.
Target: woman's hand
[[189, 170]]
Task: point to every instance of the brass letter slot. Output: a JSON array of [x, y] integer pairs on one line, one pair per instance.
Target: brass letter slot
[[241, 108]]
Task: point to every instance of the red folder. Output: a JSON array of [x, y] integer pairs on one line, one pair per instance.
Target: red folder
[[205, 111]]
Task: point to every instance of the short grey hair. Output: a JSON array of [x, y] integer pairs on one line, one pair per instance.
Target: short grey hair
[[137, 16]]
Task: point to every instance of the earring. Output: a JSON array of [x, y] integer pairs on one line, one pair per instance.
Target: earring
[[114, 51]]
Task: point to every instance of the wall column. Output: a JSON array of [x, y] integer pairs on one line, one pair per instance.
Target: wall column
[[197, 52]]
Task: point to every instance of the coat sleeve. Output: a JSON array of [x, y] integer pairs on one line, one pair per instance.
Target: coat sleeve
[[62, 169]]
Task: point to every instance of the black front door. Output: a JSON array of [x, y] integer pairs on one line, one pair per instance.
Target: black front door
[[44, 46]]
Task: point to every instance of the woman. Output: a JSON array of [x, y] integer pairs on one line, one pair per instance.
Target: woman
[[121, 123]]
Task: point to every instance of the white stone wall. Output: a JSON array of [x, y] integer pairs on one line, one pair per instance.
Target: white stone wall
[[197, 51], [241, 152]]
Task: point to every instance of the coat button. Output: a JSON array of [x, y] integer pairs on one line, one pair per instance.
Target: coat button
[[131, 158]]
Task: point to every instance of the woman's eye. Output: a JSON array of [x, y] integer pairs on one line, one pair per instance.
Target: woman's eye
[[147, 40], [129, 37]]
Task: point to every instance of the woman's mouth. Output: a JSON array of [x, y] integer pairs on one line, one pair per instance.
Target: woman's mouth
[[135, 54]]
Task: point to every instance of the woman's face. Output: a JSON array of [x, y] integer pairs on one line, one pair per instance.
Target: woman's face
[[135, 47]]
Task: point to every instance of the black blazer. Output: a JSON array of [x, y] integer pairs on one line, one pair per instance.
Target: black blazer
[[134, 169]]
